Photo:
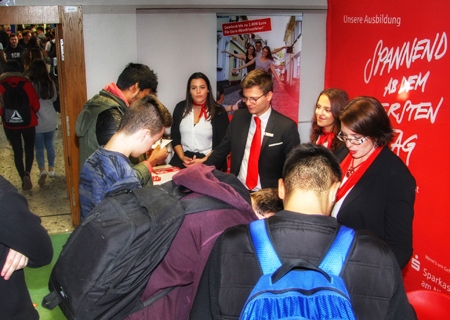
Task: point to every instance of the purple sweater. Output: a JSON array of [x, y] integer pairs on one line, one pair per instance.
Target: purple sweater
[[184, 263]]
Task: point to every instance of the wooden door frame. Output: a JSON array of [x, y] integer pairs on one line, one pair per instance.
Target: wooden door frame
[[71, 78]]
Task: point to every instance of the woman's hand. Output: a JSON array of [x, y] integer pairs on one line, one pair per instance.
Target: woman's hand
[[186, 159], [194, 161]]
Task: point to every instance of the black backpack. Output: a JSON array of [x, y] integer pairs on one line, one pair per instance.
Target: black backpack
[[108, 259], [16, 105]]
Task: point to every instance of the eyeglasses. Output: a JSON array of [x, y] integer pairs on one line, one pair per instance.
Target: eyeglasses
[[251, 99], [357, 141]]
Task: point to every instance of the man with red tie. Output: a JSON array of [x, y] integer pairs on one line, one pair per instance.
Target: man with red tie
[[259, 138]]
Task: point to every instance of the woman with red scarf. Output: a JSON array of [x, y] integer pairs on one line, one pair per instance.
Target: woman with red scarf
[[325, 123], [199, 123], [377, 191]]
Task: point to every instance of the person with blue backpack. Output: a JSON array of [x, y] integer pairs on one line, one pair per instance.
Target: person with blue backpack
[[300, 263]]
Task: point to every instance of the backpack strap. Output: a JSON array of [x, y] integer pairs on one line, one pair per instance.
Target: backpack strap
[[51, 300], [265, 251], [334, 260]]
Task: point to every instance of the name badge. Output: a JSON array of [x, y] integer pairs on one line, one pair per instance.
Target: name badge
[[268, 134]]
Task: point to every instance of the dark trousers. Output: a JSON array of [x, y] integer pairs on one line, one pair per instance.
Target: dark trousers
[[176, 161], [15, 136]]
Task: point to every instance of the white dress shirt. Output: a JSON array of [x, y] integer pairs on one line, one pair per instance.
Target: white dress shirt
[[242, 176]]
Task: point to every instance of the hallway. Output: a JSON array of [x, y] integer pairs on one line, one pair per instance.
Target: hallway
[[50, 201]]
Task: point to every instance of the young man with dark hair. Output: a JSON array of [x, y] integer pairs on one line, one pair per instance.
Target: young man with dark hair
[[303, 230], [108, 168], [13, 50], [26, 36], [257, 167], [41, 35], [102, 114]]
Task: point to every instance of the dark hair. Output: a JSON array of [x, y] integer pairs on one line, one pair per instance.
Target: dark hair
[[211, 104], [266, 201], [12, 34], [260, 78], [366, 116], [140, 74], [41, 80], [33, 43], [12, 66], [29, 56], [312, 168], [338, 100], [219, 92], [254, 51], [40, 28], [145, 113], [2, 60], [258, 41], [269, 52]]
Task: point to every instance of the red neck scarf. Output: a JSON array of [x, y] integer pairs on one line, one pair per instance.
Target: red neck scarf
[[114, 89], [202, 110], [325, 139], [357, 174]]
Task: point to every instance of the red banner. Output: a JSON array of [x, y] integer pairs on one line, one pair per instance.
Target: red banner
[[247, 26], [396, 51]]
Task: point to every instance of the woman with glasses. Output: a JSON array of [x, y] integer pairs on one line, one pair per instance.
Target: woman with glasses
[[199, 123], [377, 191], [325, 123]]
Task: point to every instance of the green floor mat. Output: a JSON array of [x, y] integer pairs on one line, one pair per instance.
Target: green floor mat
[[37, 280]]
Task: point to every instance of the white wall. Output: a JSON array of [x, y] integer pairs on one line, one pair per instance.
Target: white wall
[[175, 45], [109, 45]]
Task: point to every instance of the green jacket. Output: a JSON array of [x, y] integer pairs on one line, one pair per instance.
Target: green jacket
[[86, 129]]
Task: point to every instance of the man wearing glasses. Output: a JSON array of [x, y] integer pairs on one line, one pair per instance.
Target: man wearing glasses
[[258, 163]]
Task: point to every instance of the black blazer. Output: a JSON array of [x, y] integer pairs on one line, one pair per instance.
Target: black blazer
[[219, 124], [382, 201], [283, 137]]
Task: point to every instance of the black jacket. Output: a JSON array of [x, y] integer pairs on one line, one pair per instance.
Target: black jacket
[[382, 201], [280, 137], [219, 127], [372, 275], [22, 231]]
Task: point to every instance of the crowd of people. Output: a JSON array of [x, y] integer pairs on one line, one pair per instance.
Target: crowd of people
[[345, 175], [26, 78]]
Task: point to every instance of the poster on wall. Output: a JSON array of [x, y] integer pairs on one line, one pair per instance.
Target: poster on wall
[[397, 51], [272, 43]]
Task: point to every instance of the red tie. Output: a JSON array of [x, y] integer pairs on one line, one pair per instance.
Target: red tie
[[255, 150]]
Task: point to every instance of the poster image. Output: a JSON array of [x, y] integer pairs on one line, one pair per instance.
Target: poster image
[[241, 42]]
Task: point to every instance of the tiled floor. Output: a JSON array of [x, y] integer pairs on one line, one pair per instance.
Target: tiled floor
[[50, 201]]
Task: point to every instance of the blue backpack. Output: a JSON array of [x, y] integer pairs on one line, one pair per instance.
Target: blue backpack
[[298, 289]]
